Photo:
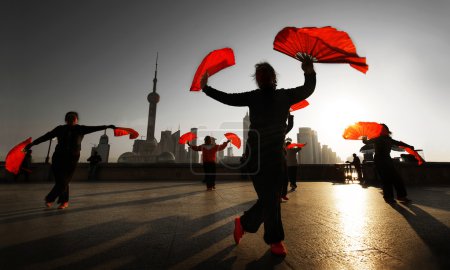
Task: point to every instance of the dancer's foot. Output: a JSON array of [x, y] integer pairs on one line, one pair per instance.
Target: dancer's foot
[[48, 204], [238, 230], [63, 205], [214, 187], [278, 249]]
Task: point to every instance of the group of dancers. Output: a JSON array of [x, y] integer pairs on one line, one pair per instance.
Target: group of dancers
[[267, 164]]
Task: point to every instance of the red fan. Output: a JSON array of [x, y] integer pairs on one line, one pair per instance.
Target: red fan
[[300, 105], [235, 140], [321, 45], [212, 63], [295, 145], [414, 153], [187, 137], [15, 157], [121, 131], [362, 129]]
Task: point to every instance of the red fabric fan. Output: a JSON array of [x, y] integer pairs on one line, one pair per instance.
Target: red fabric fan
[[121, 131], [15, 157], [300, 105], [414, 153], [322, 45], [295, 145], [187, 137], [235, 140], [212, 63], [358, 130]]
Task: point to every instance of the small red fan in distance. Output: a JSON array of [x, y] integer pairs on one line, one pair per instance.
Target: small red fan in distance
[[235, 140], [187, 137], [15, 157], [362, 129], [300, 105], [321, 45], [215, 61], [416, 155], [295, 145], [121, 131]]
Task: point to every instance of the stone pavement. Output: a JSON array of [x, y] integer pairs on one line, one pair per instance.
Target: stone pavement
[[179, 225]]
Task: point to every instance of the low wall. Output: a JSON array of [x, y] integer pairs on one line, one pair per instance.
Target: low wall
[[430, 173]]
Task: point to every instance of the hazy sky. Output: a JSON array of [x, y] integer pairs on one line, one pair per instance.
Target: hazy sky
[[98, 58]]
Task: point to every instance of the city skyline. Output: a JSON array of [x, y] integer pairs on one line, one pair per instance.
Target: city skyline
[[98, 58]]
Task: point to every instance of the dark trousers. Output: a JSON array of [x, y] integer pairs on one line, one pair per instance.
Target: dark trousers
[[63, 167], [267, 184], [292, 175], [391, 179], [209, 169]]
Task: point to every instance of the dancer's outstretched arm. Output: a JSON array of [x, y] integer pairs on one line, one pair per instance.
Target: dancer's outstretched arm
[[239, 99], [302, 92], [90, 129]]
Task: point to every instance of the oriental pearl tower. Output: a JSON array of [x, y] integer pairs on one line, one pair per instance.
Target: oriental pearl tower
[[153, 99]]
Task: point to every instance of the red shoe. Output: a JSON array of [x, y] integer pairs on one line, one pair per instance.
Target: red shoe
[[285, 198], [278, 249], [238, 230], [48, 204], [63, 205]]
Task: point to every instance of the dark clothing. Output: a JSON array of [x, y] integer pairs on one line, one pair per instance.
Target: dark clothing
[[385, 166], [209, 169], [284, 186], [269, 110], [94, 160], [292, 175], [25, 168], [65, 157], [357, 164]]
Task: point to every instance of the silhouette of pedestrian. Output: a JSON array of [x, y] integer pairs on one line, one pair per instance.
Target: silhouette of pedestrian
[[66, 155], [269, 109], [385, 166], [292, 165], [209, 151], [94, 160], [290, 125], [357, 164]]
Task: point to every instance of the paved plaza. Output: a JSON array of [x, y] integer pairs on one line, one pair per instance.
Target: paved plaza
[[179, 225]]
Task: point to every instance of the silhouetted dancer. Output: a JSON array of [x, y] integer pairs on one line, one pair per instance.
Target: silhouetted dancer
[[290, 125], [25, 167], [385, 166], [357, 164], [292, 165], [209, 151], [94, 160], [269, 109], [66, 155]]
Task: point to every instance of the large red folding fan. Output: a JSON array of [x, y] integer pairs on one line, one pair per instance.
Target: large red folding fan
[[212, 63], [235, 140], [121, 131], [362, 129], [321, 45], [187, 137], [300, 105], [15, 157]]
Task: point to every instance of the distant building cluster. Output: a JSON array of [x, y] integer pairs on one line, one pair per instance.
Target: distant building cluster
[[169, 150], [314, 152]]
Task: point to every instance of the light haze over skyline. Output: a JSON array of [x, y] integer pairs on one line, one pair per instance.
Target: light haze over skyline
[[98, 58]]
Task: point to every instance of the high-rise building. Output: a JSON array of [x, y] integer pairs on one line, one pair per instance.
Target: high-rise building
[[193, 155], [103, 148], [306, 156]]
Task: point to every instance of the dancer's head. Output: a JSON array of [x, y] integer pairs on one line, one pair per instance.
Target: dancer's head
[[354, 155], [385, 131], [71, 118], [265, 75], [208, 140]]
